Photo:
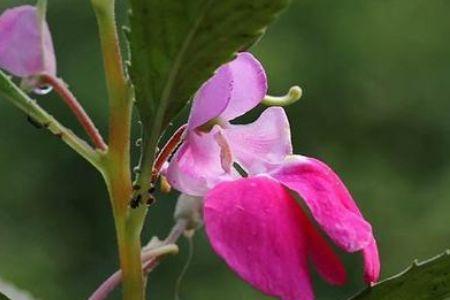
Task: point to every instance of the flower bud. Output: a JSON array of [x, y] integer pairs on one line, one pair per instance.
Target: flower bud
[[189, 208], [26, 47]]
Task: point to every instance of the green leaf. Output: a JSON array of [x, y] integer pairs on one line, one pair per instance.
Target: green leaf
[[177, 45], [428, 280]]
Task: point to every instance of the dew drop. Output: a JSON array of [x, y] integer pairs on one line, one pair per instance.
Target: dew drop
[[137, 170], [139, 142], [43, 90]]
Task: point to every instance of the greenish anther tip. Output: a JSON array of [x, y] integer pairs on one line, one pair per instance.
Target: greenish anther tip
[[294, 94]]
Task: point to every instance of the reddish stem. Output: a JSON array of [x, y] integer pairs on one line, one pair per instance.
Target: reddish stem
[[66, 95], [165, 153]]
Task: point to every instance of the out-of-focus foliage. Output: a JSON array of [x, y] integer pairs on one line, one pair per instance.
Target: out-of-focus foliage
[[376, 81]]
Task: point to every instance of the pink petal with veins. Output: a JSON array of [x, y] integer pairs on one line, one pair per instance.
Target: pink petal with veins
[[198, 165], [249, 86], [262, 145], [235, 88]]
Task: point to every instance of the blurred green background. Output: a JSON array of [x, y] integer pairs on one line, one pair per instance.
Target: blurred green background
[[376, 80]]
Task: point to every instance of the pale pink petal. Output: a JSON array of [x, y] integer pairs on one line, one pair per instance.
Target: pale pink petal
[[262, 145], [49, 52], [255, 225], [197, 166], [26, 47], [328, 199], [212, 98], [235, 88], [249, 86], [371, 263]]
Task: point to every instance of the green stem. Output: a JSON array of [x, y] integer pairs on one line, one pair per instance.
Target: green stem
[[129, 243], [120, 96], [22, 101], [128, 221], [130, 256]]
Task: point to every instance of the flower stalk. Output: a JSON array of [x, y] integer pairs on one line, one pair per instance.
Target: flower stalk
[[66, 95], [117, 174]]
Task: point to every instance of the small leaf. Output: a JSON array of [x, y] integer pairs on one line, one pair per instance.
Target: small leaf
[[177, 45], [428, 280]]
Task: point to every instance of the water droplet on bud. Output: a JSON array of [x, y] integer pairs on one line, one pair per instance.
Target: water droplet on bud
[[42, 90]]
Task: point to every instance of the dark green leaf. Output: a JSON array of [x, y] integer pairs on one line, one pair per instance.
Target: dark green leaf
[[429, 280], [3, 297], [176, 46]]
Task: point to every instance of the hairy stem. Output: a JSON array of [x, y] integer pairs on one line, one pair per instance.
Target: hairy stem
[[61, 89], [128, 238], [118, 176], [120, 96]]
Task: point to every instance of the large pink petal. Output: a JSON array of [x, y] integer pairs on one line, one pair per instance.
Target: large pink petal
[[371, 262], [26, 47], [328, 199], [197, 166], [249, 86], [262, 145], [255, 225]]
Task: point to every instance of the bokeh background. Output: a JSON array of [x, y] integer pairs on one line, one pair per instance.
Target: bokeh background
[[376, 80]]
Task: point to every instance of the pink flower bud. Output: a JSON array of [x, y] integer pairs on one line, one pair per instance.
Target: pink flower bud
[[26, 47]]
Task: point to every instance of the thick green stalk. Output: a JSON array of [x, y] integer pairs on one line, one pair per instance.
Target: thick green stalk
[[128, 237], [120, 102], [118, 175]]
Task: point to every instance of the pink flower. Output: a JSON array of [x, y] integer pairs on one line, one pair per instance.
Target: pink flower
[[26, 47], [253, 220]]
